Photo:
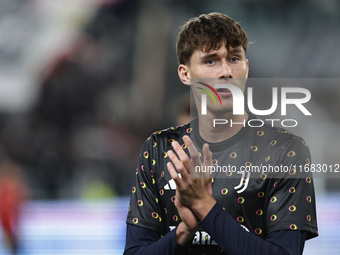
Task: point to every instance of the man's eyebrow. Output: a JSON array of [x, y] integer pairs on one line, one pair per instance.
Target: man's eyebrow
[[235, 50], [209, 55]]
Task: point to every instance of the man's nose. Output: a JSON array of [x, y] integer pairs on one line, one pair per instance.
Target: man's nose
[[225, 71]]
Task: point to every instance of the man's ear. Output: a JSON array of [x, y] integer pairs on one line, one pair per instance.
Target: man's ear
[[184, 74], [247, 63]]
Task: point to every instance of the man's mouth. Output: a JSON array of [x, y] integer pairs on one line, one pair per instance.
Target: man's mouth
[[224, 92]]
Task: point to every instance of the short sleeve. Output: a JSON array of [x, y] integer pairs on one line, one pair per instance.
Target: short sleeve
[[291, 200], [144, 210]]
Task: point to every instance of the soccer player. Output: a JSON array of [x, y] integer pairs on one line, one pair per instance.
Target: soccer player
[[243, 213]]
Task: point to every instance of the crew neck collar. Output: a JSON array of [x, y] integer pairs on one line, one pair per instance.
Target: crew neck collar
[[219, 146]]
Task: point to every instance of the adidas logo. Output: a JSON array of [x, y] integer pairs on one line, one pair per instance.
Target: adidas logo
[[171, 184]]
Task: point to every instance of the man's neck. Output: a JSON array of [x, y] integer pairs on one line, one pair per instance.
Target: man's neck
[[220, 132]]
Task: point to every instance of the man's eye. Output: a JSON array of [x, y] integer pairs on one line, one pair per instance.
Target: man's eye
[[210, 62], [234, 59]]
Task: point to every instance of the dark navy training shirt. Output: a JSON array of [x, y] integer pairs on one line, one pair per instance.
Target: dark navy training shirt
[[258, 183]]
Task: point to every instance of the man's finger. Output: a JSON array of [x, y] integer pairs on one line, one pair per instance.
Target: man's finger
[[195, 158], [174, 175], [183, 157], [207, 155], [210, 190], [178, 164]]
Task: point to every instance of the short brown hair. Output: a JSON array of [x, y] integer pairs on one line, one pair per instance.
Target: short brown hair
[[207, 32]]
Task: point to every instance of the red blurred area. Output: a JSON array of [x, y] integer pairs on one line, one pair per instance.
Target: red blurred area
[[13, 192]]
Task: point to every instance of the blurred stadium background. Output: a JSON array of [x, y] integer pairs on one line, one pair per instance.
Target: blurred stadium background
[[84, 82]]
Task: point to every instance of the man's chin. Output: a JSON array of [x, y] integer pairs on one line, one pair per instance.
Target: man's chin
[[218, 110]]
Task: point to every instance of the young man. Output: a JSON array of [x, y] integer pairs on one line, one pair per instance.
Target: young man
[[172, 213]]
